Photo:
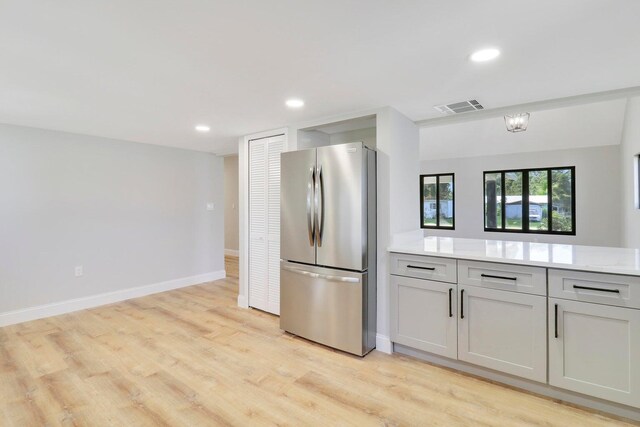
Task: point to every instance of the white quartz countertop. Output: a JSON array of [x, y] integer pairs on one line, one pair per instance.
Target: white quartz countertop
[[552, 255]]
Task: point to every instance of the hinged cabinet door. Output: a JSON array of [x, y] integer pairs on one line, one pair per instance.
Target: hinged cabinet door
[[424, 315], [595, 349], [503, 330]]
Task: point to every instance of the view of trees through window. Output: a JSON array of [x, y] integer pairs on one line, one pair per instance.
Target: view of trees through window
[[530, 200], [437, 201]]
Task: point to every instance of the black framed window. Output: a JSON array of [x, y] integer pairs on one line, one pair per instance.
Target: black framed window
[[437, 203], [540, 200]]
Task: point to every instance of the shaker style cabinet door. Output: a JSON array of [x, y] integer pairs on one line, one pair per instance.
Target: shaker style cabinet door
[[595, 349], [424, 315], [503, 330]]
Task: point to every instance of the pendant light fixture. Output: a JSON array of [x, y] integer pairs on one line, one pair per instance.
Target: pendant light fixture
[[517, 122]]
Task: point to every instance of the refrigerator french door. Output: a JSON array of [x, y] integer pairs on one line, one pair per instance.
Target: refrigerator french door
[[328, 246]]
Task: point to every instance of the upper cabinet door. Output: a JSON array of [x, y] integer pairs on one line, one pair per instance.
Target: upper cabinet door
[[341, 210], [297, 239]]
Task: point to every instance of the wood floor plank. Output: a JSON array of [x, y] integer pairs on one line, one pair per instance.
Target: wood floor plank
[[191, 357]]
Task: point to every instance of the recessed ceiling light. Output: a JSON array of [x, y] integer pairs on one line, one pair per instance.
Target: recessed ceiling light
[[485, 55], [203, 128], [294, 103]]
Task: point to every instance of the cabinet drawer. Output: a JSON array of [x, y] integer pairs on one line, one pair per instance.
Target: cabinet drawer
[[424, 267], [518, 278], [610, 289]]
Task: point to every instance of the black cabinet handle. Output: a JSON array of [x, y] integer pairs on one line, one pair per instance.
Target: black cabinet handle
[[462, 303], [489, 276], [556, 320], [615, 291], [450, 307], [420, 268]]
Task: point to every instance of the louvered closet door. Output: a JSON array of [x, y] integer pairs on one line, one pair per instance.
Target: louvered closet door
[[275, 146], [258, 290], [264, 223]]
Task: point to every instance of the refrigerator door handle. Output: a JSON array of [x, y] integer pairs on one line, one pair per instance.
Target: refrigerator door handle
[[310, 221], [322, 276], [319, 199]]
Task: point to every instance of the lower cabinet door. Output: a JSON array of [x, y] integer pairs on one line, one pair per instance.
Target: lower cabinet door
[[423, 315], [502, 330], [595, 349]]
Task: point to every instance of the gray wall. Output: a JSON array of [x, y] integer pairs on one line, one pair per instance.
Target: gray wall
[[630, 147], [131, 214], [231, 230], [598, 198]]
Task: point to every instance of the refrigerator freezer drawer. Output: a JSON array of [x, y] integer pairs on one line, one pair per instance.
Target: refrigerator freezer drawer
[[326, 306]]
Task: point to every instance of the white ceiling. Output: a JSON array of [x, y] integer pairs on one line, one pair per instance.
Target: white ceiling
[[149, 70], [587, 125]]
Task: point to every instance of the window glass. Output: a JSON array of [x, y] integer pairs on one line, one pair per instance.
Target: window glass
[[562, 200], [493, 200], [513, 192], [429, 195], [445, 192], [538, 200]]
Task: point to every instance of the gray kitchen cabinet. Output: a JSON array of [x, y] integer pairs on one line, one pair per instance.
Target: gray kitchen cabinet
[[504, 331], [595, 349], [423, 315]]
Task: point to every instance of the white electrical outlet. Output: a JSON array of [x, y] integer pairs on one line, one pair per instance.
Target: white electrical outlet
[[210, 206], [79, 271]]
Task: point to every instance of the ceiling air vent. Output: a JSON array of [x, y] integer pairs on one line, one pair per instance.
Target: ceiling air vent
[[459, 107]]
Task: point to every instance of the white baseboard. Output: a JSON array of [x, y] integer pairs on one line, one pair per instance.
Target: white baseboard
[[232, 252], [63, 307], [242, 301], [383, 344]]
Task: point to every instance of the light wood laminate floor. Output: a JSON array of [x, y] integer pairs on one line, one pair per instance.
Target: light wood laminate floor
[[191, 357]]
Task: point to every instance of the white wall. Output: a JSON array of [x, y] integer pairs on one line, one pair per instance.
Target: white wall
[[231, 232], [630, 147], [368, 136], [315, 138], [311, 139], [131, 214], [398, 148], [598, 196], [588, 125]]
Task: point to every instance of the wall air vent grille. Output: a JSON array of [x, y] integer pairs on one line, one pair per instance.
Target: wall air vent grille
[[460, 107]]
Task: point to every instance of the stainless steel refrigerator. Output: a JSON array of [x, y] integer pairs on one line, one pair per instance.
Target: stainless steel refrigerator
[[328, 246]]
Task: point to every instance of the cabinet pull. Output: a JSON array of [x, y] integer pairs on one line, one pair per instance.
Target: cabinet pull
[[489, 276], [462, 303], [420, 268], [615, 291], [556, 320], [450, 307]]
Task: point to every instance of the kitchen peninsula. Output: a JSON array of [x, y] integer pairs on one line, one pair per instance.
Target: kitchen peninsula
[[556, 319]]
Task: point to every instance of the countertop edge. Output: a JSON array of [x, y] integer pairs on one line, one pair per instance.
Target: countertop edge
[[572, 267]]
